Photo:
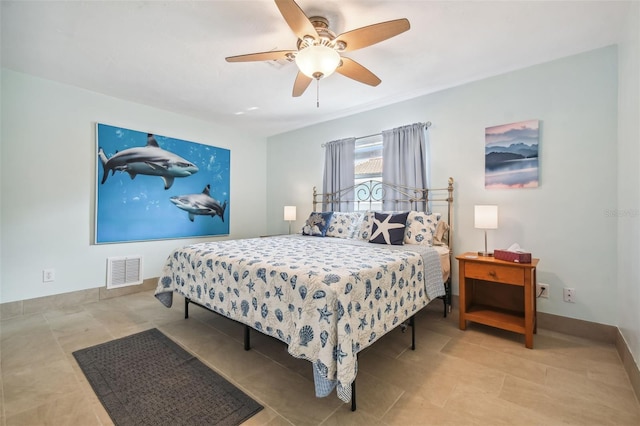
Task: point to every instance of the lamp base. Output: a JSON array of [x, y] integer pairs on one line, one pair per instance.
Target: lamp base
[[485, 253]]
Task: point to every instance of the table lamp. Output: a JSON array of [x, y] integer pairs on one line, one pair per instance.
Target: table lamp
[[486, 217], [290, 215]]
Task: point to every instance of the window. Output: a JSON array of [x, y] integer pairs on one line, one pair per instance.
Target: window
[[368, 159], [368, 166]]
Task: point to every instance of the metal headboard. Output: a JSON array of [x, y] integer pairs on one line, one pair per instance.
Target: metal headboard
[[372, 195]]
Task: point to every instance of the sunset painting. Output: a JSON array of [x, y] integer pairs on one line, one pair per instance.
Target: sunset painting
[[511, 155]]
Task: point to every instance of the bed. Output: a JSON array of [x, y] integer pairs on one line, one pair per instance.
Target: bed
[[334, 289]]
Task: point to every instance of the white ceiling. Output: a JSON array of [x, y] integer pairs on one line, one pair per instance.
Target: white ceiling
[[170, 54]]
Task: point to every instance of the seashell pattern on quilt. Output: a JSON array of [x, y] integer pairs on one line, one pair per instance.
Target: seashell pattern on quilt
[[326, 298]]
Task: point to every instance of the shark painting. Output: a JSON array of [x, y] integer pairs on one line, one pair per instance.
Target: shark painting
[[148, 160], [200, 204]]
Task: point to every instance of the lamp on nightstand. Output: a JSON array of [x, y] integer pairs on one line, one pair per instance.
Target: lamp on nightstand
[[290, 214], [486, 217]]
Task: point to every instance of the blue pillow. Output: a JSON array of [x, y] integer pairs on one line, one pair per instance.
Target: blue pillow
[[388, 228], [317, 224]]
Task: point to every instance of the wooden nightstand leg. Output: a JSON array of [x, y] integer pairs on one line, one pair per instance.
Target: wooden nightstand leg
[[462, 298], [529, 310], [535, 304], [528, 340]]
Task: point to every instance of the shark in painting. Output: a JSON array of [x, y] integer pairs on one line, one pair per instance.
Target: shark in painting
[[200, 204], [147, 160]]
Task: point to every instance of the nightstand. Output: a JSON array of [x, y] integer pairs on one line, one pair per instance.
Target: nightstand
[[498, 293]]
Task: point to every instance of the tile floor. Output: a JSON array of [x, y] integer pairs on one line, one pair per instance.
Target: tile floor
[[481, 376]]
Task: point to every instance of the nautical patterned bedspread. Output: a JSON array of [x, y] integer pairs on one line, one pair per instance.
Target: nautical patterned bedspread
[[327, 298]]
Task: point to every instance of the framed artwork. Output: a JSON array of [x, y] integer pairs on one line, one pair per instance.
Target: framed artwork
[[153, 187], [511, 155]]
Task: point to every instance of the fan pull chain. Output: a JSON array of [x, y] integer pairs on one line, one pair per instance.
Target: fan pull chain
[[317, 93]]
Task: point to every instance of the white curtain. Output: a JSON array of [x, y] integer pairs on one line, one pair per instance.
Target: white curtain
[[339, 171], [404, 150]]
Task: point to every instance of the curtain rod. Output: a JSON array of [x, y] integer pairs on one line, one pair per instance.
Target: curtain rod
[[426, 125]]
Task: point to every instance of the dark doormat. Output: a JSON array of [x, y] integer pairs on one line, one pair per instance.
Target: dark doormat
[[147, 379]]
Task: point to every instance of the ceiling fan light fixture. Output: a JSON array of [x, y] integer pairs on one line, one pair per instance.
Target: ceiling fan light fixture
[[318, 49], [317, 61]]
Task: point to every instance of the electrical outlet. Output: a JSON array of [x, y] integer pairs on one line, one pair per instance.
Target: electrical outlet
[[542, 290], [569, 295], [48, 275]]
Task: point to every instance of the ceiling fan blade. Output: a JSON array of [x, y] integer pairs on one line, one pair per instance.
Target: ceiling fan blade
[[354, 70], [296, 19], [372, 34], [272, 55], [301, 84]]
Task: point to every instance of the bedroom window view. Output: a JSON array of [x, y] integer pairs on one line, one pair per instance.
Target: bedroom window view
[[368, 165]]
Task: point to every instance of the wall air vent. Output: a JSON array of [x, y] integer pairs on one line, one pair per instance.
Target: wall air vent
[[124, 271]]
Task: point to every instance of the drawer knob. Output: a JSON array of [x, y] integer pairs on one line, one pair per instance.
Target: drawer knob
[[493, 274]]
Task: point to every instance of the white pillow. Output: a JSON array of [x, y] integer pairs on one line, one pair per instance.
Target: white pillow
[[421, 227], [342, 224], [355, 225], [363, 227]]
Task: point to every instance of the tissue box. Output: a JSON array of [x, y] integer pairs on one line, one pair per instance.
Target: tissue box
[[512, 256]]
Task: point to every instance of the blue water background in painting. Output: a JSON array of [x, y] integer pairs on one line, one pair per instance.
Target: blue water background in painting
[[139, 209], [513, 174]]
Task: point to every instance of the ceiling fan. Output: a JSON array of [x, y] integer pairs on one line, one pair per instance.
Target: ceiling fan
[[319, 50]]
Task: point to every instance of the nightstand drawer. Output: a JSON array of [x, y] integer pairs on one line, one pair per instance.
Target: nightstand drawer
[[496, 273]]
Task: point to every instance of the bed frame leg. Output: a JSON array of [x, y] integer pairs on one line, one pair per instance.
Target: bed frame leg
[[353, 395], [412, 324], [186, 307], [447, 297], [247, 338]]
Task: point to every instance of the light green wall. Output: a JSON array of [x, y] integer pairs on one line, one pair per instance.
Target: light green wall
[[589, 164], [48, 183], [562, 222], [628, 220]]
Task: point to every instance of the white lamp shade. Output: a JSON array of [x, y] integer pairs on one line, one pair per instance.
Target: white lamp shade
[[317, 61], [486, 217], [289, 212]]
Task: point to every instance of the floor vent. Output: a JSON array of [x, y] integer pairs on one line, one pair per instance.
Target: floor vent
[[124, 271]]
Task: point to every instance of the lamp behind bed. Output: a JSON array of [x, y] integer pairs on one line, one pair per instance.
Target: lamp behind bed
[[290, 215]]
